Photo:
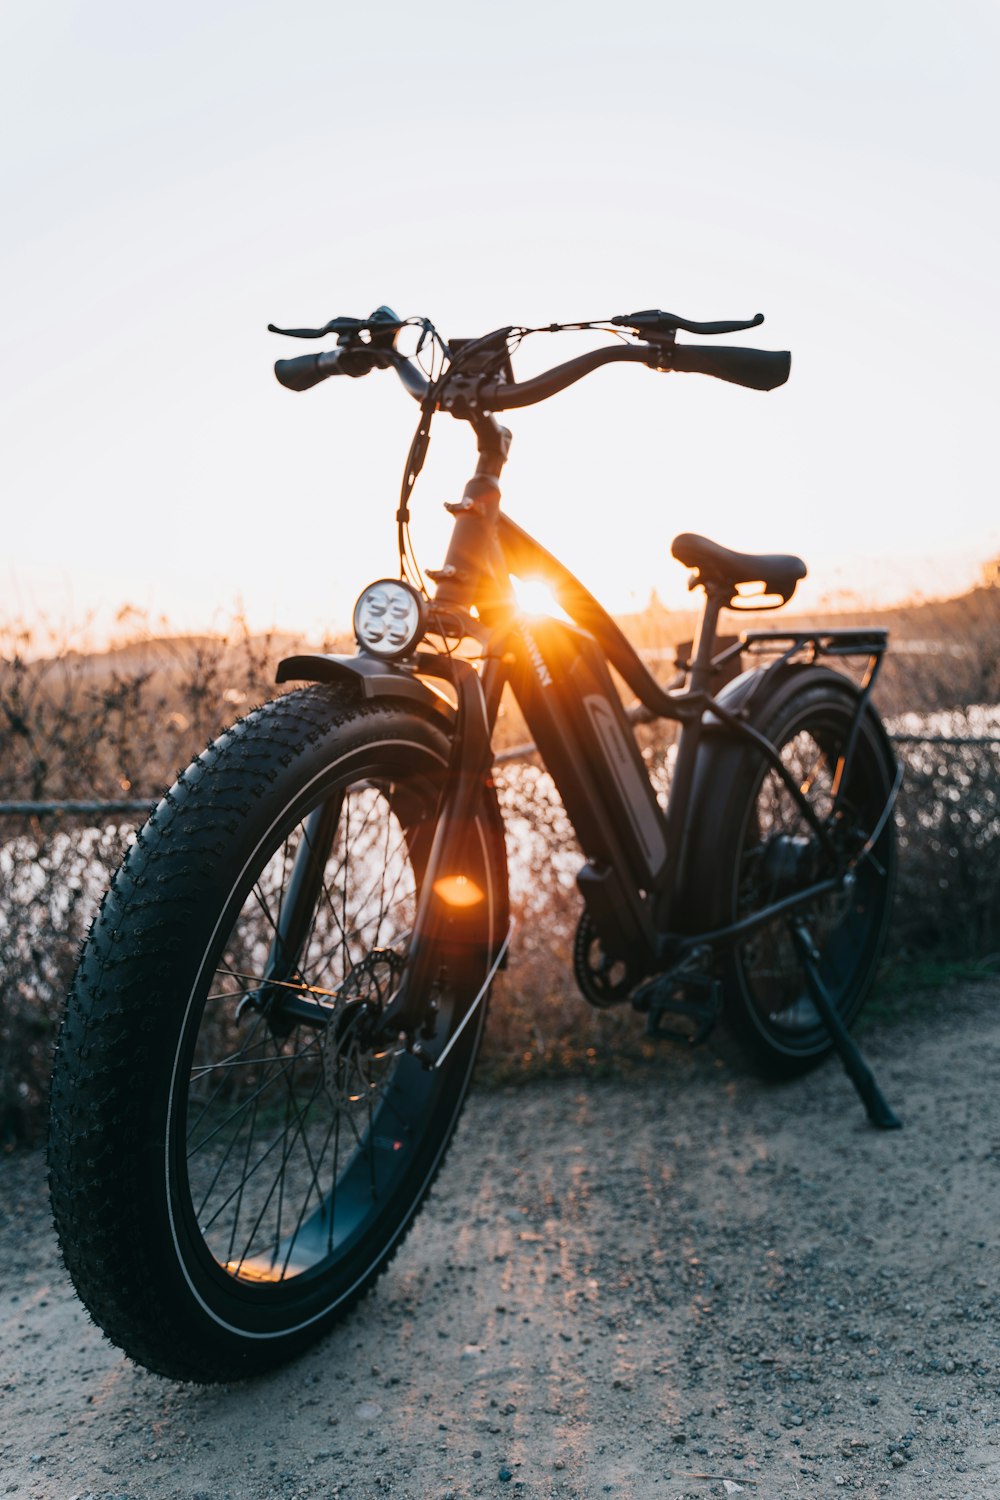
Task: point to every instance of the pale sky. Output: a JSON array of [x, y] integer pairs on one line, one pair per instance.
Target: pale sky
[[176, 177]]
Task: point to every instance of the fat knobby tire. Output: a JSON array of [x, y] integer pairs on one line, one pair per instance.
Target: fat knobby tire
[[112, 1070], [814, 702]]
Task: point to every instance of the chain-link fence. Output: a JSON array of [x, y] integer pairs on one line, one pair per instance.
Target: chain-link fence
[[57, 859]]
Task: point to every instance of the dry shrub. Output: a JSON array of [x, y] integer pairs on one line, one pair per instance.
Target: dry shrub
[[115, 727], [119, 725], [948, 820], [53, 876]]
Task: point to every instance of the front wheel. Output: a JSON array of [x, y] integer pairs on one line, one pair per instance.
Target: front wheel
[[755, 847], [235, 1151]]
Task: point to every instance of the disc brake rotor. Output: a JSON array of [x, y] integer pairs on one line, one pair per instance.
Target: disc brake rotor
[[350, 1074]]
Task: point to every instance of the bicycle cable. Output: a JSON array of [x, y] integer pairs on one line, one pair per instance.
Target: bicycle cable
[[505, 342]]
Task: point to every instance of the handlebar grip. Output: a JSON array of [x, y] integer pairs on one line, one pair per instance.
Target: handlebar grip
[[306, 369], [309, 369], [758, 369]]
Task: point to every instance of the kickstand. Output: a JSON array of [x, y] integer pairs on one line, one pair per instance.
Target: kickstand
[[857, 1070]]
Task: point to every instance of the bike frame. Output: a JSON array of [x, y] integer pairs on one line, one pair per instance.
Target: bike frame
[[635, 852]]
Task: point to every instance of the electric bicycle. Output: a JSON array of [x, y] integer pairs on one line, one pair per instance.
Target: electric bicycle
[[276, 1016]]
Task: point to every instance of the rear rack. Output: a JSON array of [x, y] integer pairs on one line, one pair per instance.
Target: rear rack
[[816, 644], [786, 644], [823, 642]]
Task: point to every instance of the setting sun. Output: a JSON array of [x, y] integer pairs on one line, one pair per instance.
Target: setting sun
[[535, 597]]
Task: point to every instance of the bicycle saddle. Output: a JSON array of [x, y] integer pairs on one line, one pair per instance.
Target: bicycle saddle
[[778, 572]]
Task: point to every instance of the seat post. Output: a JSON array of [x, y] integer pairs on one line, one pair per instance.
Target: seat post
[[717, 596]]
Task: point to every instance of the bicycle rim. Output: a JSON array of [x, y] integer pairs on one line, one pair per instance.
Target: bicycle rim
[[777, 851], [298, 1152]]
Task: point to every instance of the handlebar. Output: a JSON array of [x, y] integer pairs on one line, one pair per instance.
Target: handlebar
[[495, 396], [756, 369]]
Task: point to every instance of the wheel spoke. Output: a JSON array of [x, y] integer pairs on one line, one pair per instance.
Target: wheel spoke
[[339, 918], [306, 1200], [334, 1181], [238, 1110], [243, 1179], [245, 1062], [252, 1172], [305, 1139], [289, 1147], [193, 1124], [260, 980]]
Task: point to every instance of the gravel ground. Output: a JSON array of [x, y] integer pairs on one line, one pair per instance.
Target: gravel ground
[[669, 1284]]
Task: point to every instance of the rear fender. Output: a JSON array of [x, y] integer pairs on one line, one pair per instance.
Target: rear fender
[[751, 697], [756, 697], [754, 693]]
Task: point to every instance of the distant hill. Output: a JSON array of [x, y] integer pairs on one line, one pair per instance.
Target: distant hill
[[965, 630], [168, 653], [943, 620]]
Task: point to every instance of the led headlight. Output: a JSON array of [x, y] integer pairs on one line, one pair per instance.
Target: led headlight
[[389, 618]]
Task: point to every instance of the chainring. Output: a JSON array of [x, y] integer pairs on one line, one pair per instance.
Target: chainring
[[603, 981]]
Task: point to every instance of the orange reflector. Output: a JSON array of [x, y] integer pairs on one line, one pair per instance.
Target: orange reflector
[[250, 1270], [458, 890]]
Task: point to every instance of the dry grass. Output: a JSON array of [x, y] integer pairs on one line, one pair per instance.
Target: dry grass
[[118, 725]]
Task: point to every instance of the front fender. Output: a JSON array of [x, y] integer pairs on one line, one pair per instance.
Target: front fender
[[370, 678]]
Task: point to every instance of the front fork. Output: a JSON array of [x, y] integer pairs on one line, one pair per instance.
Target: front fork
[[449, 898], [279, 994]]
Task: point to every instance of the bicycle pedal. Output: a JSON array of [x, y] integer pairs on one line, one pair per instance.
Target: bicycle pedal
[[673, 998]]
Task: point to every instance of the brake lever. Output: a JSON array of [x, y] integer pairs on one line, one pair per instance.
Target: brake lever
[[342, 326], [653, 321]]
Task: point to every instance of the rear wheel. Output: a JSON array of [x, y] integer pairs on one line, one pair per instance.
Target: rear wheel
[[235, 1154], [756, 847]]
